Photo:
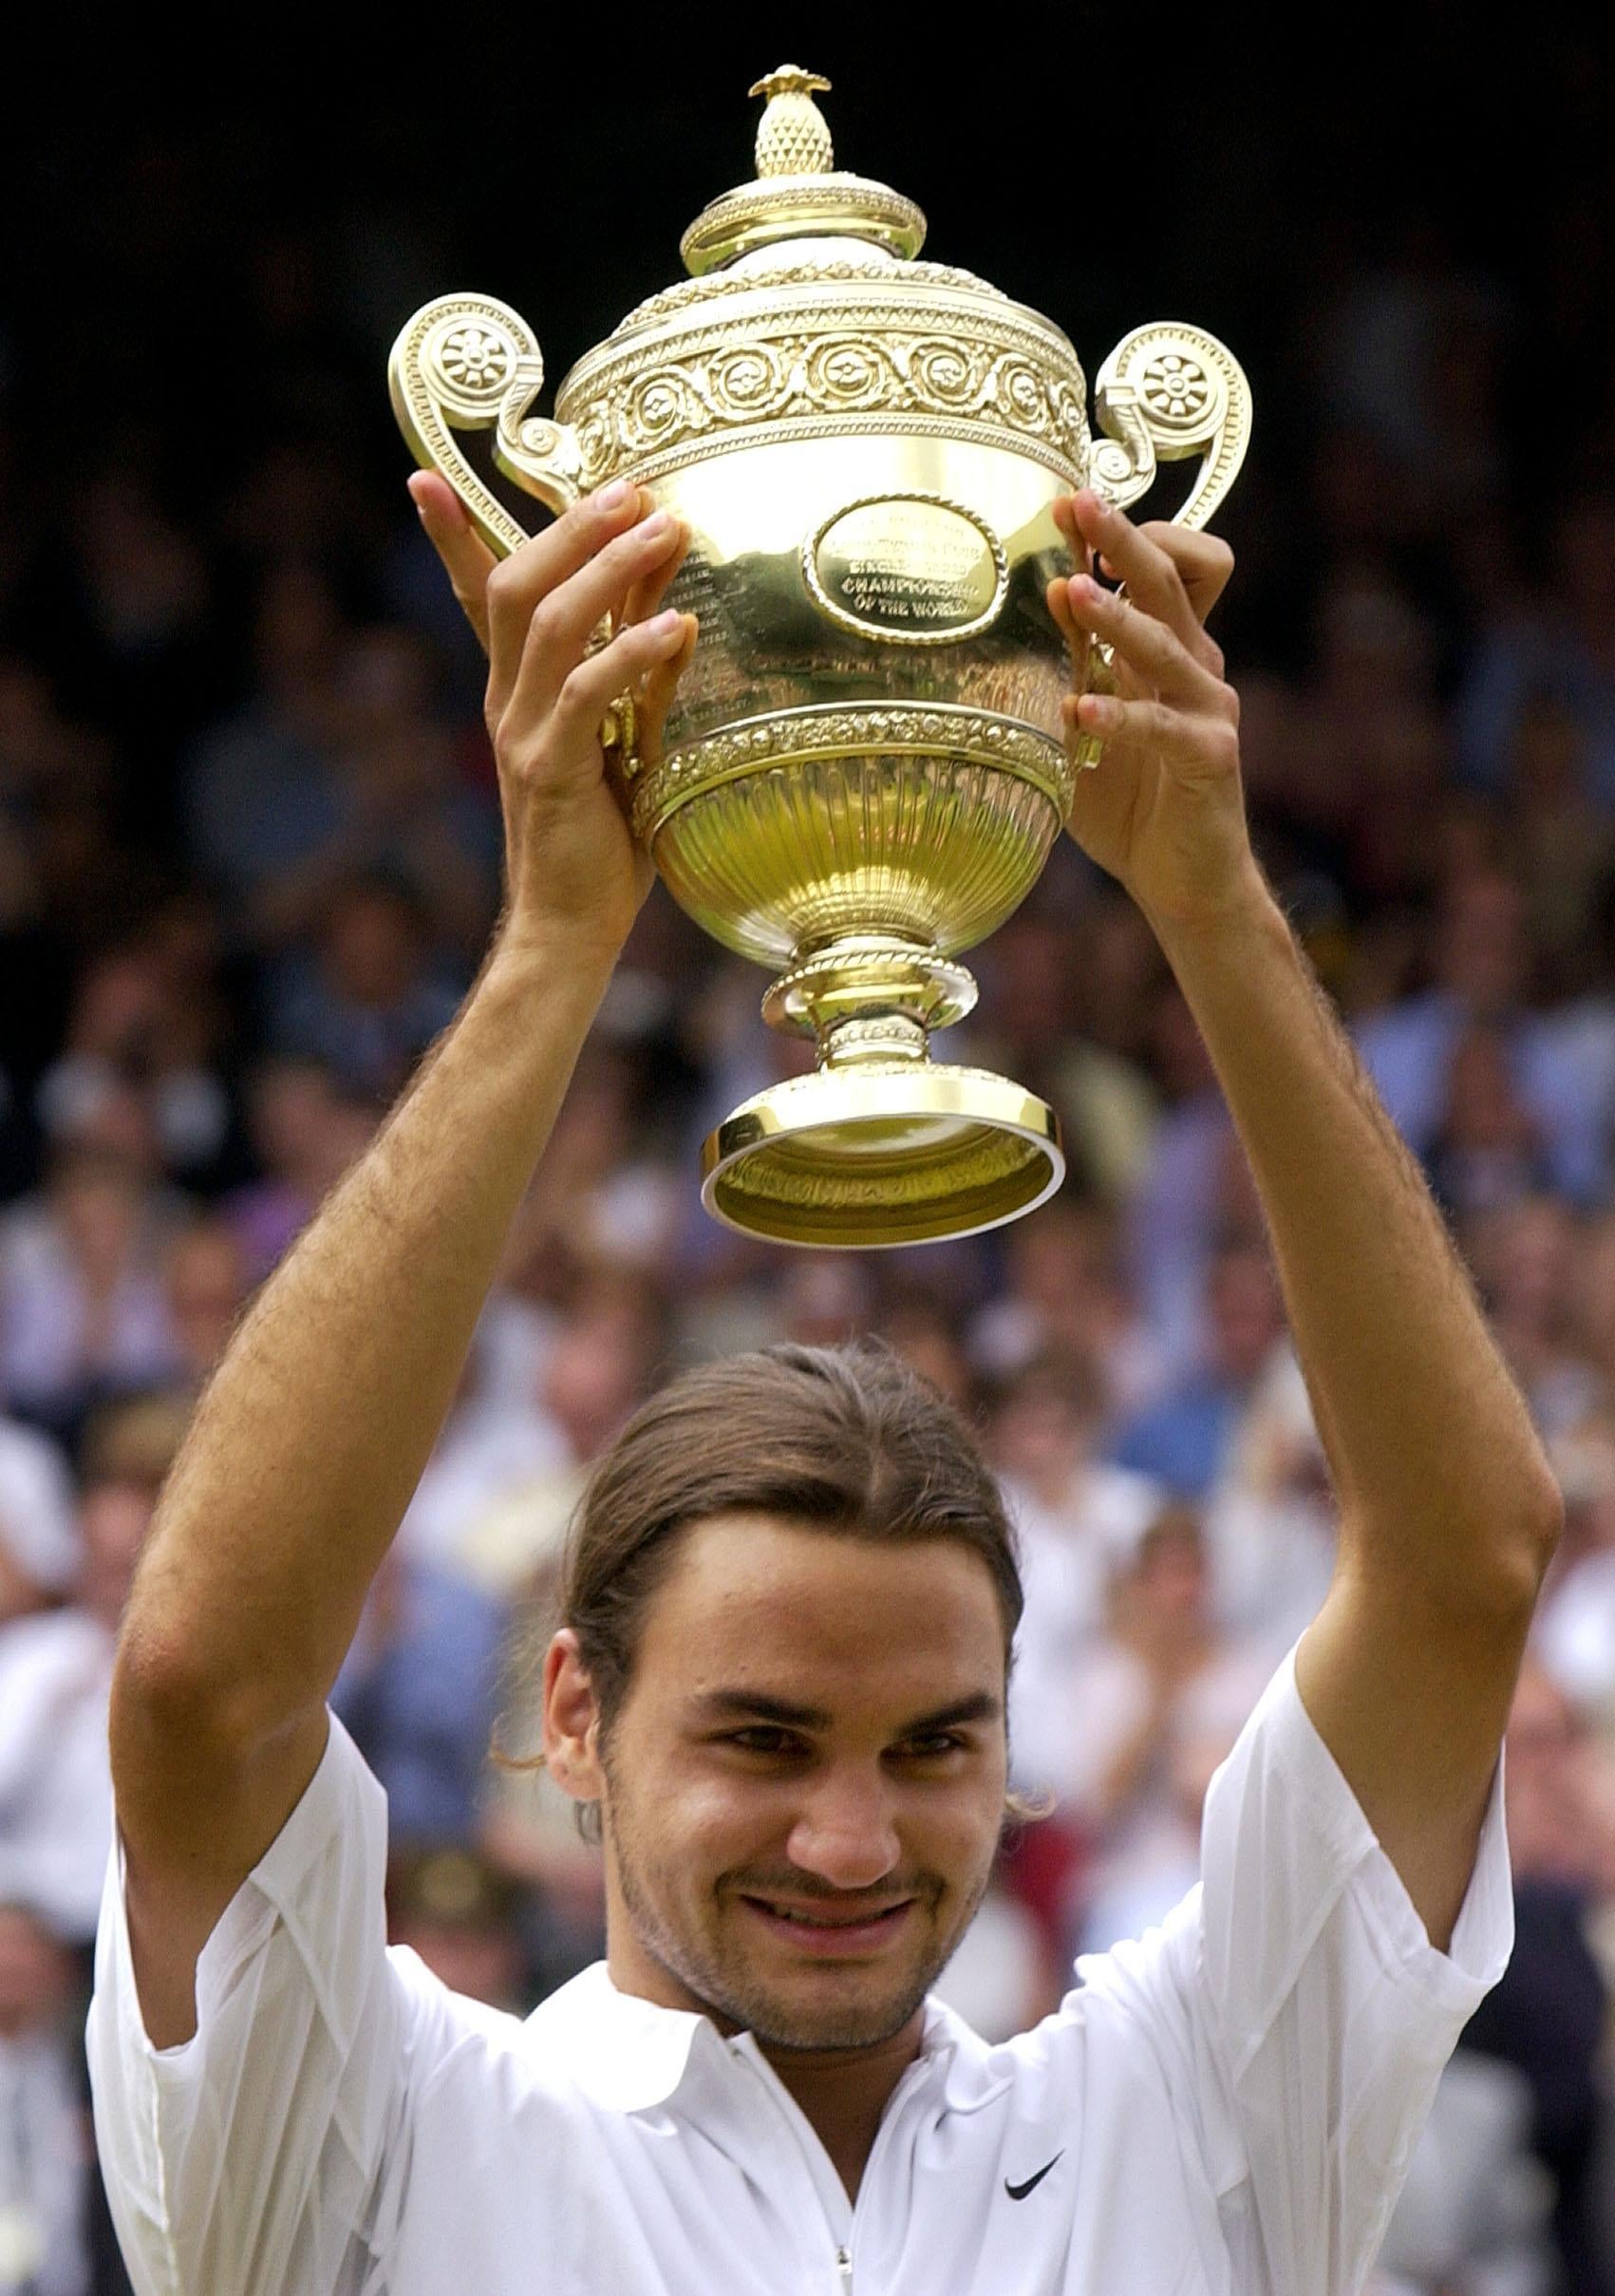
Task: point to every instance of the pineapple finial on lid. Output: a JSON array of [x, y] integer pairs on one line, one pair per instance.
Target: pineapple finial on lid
[[799, 194], [792, 138]]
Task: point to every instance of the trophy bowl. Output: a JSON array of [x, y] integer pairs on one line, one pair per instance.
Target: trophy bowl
[[865, 765]]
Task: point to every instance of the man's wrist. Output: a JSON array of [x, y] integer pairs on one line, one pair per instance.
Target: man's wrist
[[1247, 908], [559, 967]]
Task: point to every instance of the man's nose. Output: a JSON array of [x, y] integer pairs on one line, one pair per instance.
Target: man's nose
[[845, 1832]]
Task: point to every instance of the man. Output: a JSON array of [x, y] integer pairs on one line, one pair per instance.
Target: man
[[789, 1714]]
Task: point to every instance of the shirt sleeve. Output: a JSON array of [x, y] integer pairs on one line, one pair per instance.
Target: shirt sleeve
[[1310, 2016], [246, 2161], [1329, 2013]]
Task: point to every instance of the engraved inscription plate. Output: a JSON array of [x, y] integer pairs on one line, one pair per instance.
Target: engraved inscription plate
[[912, 568]]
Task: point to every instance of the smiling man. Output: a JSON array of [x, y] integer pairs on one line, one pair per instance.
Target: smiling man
[[789, 1608]]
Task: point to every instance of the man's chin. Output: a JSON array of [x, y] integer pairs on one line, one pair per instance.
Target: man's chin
[[825, 2034], [827, 2009]]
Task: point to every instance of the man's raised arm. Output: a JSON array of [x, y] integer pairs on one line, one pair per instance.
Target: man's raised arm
[[313, 1431], [1449, 1511]]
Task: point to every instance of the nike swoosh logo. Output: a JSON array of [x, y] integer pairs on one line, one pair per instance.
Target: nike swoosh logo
[[1018, 2192]]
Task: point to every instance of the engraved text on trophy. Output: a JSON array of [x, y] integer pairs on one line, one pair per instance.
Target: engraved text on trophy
[[907, 566]]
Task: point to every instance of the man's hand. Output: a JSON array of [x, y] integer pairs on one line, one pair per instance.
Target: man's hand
[[576, 878], [1163, 811]]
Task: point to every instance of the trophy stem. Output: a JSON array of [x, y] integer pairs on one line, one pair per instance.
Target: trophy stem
[[870, 998], [878, 1144]]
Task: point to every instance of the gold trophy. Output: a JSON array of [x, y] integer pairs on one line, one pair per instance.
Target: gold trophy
[[865, 768]]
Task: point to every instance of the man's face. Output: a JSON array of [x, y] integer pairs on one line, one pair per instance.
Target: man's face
[[804, 1786]]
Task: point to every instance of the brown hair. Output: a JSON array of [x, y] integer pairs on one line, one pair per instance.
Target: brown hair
[[849, 1438]]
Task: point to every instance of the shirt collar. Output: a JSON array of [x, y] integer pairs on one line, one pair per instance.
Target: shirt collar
[[629, 2055], [626, 2054]]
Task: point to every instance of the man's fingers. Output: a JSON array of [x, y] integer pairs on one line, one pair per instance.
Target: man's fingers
[[1206, 651], [516, 586], [467, 560], [1156, 654], [1148, 570], [1175, 573], [1155, 729], [646, 597], [1204, 561], [606, 584], [563, 621], [634, 653], [661, 680]]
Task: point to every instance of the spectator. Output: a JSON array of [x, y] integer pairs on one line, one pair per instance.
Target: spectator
[[1482, 962], [1548, 2016], [1185, 1440], [1172, 1214], [205, 1283], [1141, 1703], [1071, 1509], [82, 1306], [40, 1555], [261, 791], [305, 1131], [56, 1671], [601, 1367], [1270, 1518], [133, 1026], [1524, 1256], [417, 1692], [463, 1917], [1487, 1149], [373, 1000], [1560, 646], [44, 2151], [400, 808], [1063, 1293]]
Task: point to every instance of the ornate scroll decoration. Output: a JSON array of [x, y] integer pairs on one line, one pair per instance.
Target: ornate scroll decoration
[[857, 368], [876, 729], [467, 363], [1166, 392]]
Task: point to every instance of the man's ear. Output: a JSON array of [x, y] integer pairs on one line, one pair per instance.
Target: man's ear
[[571, 1720]]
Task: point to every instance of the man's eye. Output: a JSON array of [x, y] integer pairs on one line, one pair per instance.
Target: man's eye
[[933, 1746], [762, 1738]]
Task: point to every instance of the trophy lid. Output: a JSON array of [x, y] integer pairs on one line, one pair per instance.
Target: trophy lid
[[798, 193]]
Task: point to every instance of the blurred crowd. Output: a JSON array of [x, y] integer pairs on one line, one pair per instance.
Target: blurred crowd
[[249, 849]]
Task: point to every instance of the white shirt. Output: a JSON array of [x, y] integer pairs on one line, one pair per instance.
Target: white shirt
[[1227, 2106]]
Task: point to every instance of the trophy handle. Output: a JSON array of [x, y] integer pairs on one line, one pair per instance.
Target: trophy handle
[[467, 363], [1167, 392]]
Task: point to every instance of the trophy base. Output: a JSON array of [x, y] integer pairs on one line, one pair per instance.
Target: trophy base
[[888, 1151]]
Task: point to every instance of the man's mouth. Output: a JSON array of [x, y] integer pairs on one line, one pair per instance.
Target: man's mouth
[[828, 1930]]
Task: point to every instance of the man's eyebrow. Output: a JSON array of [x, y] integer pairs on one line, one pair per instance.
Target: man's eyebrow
[[721, 1703], [981, 1705], [717, 1705]]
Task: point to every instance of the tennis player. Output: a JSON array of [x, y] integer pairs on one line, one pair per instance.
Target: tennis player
[[781, 1682]]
